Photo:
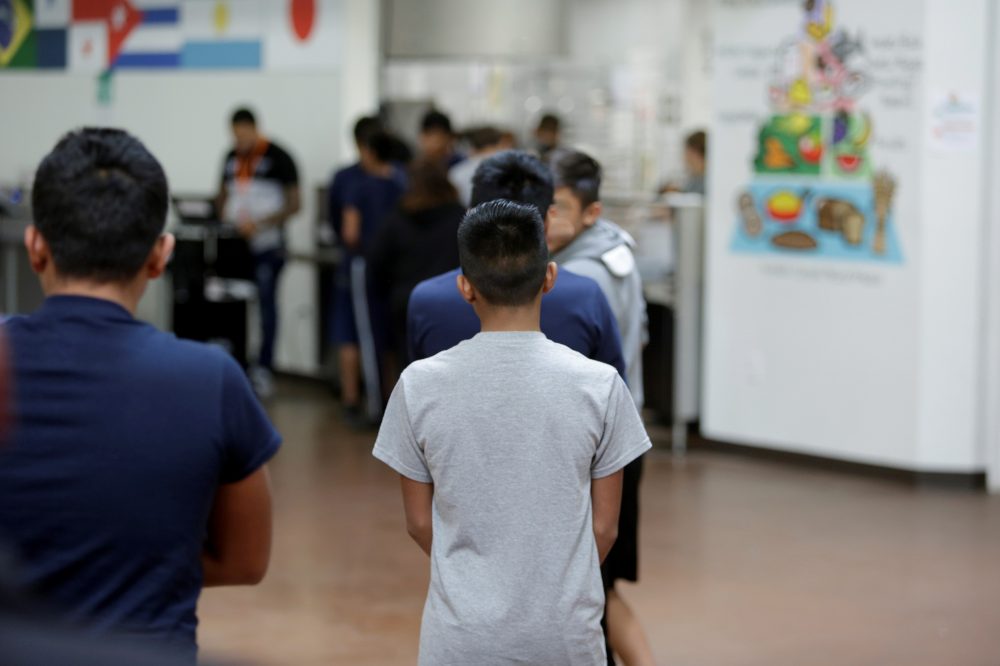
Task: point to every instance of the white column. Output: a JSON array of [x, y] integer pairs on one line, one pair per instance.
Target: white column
[[990, 367]]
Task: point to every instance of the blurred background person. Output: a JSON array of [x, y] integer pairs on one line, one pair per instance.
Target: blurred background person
[[483, 142], [575, 313], [583, 242], [695, 145], [5, 416], [258, 194], [548, 137], [508, 140], [360, 198], [416, 242], [437, 139]]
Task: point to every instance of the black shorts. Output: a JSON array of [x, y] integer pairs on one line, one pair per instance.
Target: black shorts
[[622, 563]]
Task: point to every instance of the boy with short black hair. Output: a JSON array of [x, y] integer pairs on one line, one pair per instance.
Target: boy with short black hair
[[510, 448], [135, 472], [575, 313]]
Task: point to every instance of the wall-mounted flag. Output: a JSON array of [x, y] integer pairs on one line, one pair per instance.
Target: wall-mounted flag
[[302, 34], [156, 41], [222, 34], [15, 30]]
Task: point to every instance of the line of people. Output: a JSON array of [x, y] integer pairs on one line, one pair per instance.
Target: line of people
[[136, 472]]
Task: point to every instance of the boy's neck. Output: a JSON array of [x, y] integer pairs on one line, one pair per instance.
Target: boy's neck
[[126, 295], [510, 320]]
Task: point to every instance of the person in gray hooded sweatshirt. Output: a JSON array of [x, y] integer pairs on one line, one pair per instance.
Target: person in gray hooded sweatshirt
[[581, 241]]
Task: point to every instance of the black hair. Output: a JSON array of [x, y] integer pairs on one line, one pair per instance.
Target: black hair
[[100, 202], [382, 144], [516, 176], [502, 251], [480, 138], [582, 174], [366, 126], [435, 120], [697, 141], [549, 123], [244, 115]]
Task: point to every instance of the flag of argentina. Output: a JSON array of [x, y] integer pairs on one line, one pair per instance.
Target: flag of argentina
[[223, 34], [157, 41]]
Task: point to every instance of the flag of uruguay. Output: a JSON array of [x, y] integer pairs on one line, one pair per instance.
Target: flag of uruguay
[[157, 41]]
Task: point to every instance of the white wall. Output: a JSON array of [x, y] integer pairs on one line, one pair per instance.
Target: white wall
[[869, 362], [989, 434], [183, 118], [953, 231]]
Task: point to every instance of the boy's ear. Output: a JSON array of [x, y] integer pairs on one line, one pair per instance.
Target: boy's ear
[[466, 289], [39, 252], [160, 256], [592, 213], [551, 273]]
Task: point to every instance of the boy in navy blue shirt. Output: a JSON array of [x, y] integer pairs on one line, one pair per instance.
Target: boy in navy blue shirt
[[134, 474], [360, 197], [575, 313]]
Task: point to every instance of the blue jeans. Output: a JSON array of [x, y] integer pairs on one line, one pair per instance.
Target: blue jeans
[[267, 268]]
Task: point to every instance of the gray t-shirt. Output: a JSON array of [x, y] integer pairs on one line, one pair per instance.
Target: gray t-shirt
[[511, 428]]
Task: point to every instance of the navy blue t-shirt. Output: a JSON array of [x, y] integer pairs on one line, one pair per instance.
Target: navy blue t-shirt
[[575, 313], [374, 197], [121, 436]]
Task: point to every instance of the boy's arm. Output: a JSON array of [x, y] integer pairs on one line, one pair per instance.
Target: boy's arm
[[417, 499], [606, 498], [238, 548], [350, 233]]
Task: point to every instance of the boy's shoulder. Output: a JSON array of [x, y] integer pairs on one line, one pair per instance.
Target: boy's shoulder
[[549, 357], [568, 360], [440, 287]]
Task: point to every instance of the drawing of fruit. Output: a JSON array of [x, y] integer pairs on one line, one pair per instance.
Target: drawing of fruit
[[811, 149], [775, 155], [861, 131], [840, 123], [796, 124], [784, 206], [849, 163]]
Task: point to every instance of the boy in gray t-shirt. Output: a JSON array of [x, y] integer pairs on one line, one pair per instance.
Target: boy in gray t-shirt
[[510, 449]]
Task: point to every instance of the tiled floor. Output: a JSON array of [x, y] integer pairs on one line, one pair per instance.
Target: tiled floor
[[744, 562]]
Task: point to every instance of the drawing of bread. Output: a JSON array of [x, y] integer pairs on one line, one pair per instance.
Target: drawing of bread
[[751, 218], [794, 240], [833, 212], [853, 226], [885, 188], [827, 214]]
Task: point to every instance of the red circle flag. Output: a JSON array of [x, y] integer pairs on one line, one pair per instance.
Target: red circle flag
[[303, 18]]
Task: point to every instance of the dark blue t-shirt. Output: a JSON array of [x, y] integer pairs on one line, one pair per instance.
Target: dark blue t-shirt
[[121, 436], [374, 197], [575, 313]]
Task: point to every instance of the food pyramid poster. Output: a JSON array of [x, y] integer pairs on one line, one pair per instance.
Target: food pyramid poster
[[817, 190]]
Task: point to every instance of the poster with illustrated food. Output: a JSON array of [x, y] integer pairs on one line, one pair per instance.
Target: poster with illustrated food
[[817, 188]]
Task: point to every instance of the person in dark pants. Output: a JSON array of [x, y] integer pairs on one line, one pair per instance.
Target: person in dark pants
[[361, 196], [259, 193], [581, 240], [416, 242]]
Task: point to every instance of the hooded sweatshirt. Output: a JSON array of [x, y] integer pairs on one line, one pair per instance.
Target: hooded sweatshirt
[[603, 252]]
